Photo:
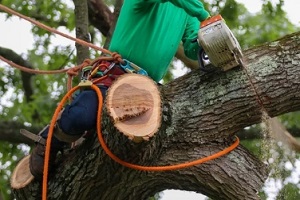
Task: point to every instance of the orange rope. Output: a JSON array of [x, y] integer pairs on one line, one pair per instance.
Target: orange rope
[[152, 168], [109, 153], [100, 99], [49, 139]]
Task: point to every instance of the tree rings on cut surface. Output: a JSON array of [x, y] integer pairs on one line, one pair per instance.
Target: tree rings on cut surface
[[133, 101], [21, 175]]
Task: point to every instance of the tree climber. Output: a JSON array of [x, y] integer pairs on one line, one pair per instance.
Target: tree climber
[[147, 33]]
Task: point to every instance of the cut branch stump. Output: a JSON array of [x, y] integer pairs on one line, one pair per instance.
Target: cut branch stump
[[134, 104], [21, 175]]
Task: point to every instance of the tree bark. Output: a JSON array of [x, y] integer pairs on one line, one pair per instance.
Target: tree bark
[[201, 113], [100, 16], [82, 29], [118, 6]]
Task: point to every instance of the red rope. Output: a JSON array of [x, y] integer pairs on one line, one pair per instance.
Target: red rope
[[72, 71], [32, 71], [43, 26]]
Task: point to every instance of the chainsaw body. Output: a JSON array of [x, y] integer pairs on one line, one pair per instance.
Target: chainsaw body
[[221, 49]]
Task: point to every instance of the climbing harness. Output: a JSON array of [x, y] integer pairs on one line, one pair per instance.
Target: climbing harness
[[102, 70], [111, 69]]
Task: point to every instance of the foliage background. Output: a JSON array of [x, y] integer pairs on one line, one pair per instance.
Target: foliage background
[[250, 29]]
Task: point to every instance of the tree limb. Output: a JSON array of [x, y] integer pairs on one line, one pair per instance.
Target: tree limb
[[192, 64], [100, 16], [26, 77], [201, 113], [10, 132]]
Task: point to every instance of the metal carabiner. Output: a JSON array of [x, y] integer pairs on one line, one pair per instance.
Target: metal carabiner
[[133, 68], [109, 68]]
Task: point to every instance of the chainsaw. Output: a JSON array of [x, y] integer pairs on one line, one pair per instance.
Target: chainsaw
[[220, 49]]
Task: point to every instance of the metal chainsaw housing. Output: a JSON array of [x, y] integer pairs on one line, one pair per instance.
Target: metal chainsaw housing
[[220, 45]]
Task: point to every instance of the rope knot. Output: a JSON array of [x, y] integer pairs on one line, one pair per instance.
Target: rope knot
[[74, 70], [117, 57]]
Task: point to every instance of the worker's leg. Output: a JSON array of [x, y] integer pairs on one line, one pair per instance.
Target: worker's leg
[[81, 114], [76, 118]]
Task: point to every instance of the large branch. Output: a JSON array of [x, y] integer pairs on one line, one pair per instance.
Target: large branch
[[192, 64], [221, 98], [26, 78], [200, 114], [100, 16], [10, 132]]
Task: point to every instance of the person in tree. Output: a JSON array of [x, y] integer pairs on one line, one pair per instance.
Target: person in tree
[[147, 33]]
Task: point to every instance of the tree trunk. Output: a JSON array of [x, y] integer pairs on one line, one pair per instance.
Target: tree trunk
[[201, 113], [82, 29]]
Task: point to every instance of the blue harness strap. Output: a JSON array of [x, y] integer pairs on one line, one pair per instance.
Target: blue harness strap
[[133, 68]]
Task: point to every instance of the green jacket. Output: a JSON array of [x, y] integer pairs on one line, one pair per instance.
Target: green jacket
[[148, 32]]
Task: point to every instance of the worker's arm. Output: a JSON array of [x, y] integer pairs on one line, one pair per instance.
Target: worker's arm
[[190, 44], [194, 8]]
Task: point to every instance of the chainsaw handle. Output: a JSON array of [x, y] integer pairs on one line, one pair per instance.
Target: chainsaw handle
[[204, 62], [211, 20]]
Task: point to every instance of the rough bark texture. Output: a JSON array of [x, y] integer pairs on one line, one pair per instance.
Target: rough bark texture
[[117, 10], [82, 30], [10, 132], [201, 113]]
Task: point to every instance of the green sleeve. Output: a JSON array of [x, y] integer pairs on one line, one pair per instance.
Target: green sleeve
[[190, 44], [192, 7]]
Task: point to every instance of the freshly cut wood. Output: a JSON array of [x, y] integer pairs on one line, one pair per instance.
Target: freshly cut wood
[[134, 103], [21, 175]]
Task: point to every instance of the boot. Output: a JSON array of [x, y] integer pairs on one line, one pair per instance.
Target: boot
[[59, 140], [36, 162]]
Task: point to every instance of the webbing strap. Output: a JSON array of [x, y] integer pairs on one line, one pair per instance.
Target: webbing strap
[[32, 136]]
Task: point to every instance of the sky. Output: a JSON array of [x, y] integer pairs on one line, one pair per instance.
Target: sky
[[20, 43], [291, 7], [16, 35]]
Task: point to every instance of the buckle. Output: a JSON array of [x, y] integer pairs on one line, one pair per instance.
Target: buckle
[[85, 83]]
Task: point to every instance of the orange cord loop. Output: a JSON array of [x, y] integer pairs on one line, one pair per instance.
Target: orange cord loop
[[74, 72], [107, 150]]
